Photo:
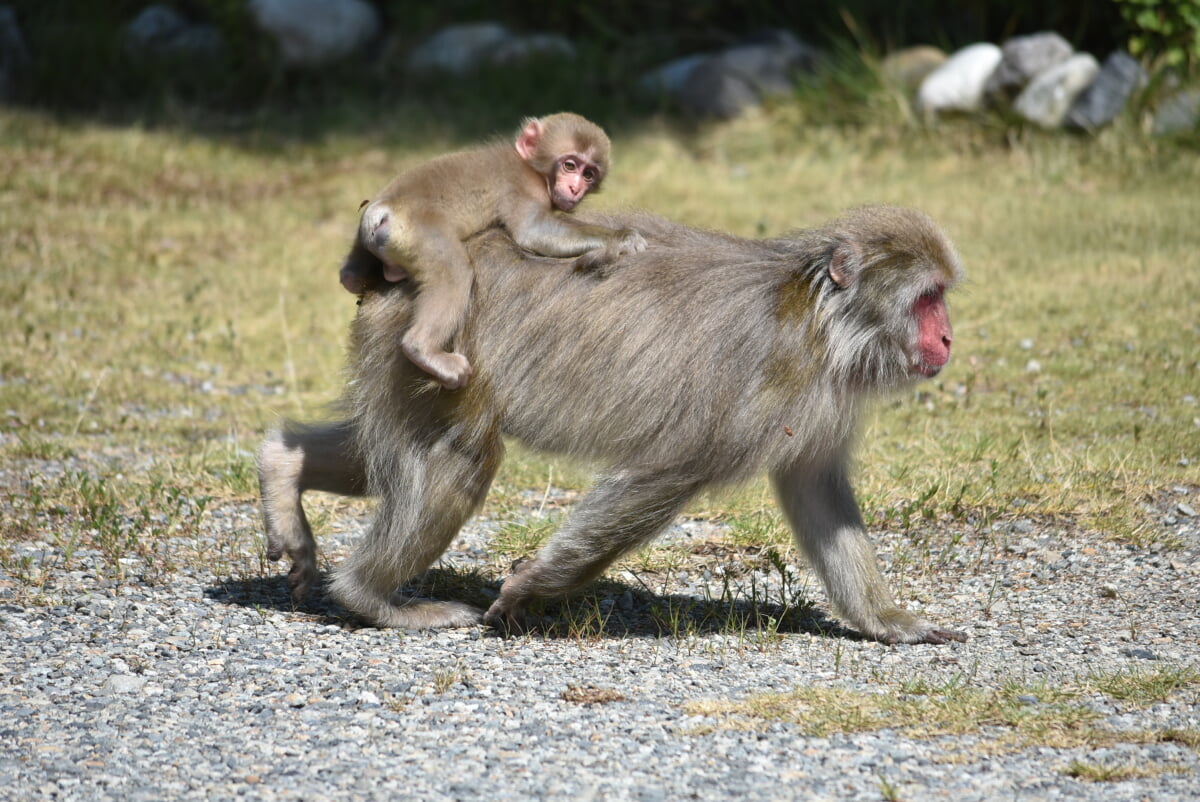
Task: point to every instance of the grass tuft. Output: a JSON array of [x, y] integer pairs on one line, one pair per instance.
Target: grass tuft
[[1013, 716]]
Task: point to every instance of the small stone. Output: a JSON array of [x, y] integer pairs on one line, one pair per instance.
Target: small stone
[[122, 684], [626, 602], [1139, 654], [1186, 510]]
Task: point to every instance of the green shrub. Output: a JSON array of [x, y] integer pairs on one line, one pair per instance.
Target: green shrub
[[1167, 32]]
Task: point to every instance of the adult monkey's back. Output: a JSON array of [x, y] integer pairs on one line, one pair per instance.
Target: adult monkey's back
[[700, 361]]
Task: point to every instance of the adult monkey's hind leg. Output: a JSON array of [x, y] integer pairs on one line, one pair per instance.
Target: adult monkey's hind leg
[[294, 458]]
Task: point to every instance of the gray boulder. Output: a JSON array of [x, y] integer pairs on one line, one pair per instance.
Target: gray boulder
[[459, 49], [958, 84], [522, 48], [727, 82], [668, 80], [771, 63], [1049, 96], [1120, 76], [162, 31], [1022, 58], [310, 33], [14, 55], [714, 89], [1179, 114], [463, 49]]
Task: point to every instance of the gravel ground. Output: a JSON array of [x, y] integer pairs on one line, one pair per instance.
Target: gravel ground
[[211, 686]]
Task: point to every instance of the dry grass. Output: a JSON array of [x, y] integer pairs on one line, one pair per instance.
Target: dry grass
[[173, 294], [996, 720]]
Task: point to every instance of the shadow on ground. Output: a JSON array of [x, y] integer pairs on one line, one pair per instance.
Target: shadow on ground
[[606, 609]]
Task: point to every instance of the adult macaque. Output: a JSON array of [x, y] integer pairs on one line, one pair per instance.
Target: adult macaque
[[416, 226], [697, 362]]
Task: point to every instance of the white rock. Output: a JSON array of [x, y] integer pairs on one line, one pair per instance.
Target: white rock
[[314, 32], [1049, 96], [958, 84]]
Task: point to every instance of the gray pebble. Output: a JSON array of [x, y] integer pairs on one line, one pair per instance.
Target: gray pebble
[[122, 683], [1139, 654]]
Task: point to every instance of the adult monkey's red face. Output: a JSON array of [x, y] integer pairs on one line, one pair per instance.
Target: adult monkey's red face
[[934, 334]]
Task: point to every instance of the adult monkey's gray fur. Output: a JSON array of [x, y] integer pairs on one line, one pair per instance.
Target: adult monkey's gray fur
[[697, 362]]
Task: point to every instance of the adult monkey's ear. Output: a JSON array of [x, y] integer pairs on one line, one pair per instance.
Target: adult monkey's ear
[[845, 263]]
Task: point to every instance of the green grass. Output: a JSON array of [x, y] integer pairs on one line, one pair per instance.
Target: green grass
[[172, 293], [1144, 688]]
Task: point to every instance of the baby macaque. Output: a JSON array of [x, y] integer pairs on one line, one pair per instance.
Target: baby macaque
[[416, 226]]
